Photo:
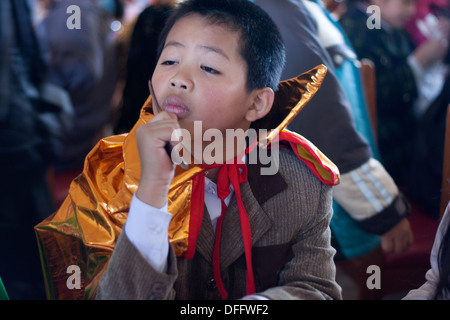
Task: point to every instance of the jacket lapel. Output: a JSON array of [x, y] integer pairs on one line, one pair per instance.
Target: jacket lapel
[[255, 191], [231, 238], [231, 241], [205, 240]]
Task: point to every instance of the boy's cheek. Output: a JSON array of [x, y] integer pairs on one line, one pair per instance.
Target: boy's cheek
[[157, 81]]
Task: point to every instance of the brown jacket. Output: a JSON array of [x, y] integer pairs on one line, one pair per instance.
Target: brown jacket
[[289, 214]]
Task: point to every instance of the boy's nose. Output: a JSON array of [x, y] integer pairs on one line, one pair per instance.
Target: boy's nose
[[180, 82]]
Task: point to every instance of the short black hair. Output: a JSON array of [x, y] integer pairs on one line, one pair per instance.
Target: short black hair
[[261, 45]]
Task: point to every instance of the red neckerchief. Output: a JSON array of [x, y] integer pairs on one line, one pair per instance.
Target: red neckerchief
[[234, 173]]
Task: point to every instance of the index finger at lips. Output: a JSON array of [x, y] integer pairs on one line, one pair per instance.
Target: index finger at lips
[[161, 126]]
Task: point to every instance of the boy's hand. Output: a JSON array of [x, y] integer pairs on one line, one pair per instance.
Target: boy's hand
[[157, 169], [398, 239]]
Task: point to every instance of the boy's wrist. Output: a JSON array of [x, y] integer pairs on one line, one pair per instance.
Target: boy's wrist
[[155, 196]]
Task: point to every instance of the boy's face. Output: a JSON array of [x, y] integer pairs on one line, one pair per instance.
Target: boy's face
[[396, 12], [201, 76]]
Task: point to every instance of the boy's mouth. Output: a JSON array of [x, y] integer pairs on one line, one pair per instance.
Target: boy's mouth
[[175, 105]]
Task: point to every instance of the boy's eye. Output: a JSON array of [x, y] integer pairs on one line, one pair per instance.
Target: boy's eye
[[168, 62], [210, 70]]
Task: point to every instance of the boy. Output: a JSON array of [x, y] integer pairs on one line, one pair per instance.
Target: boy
[[220, 62]]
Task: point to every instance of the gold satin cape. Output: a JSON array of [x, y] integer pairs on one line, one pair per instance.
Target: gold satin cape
[[80, 236]]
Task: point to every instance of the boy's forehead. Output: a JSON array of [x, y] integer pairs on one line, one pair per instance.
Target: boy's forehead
[[203, 23], [198, 28]]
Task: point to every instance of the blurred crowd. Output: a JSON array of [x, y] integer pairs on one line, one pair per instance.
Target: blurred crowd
[[71, 77], [62, 76]]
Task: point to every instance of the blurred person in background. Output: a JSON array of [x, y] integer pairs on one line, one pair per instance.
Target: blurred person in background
[[400, 70], [437, 284], [431, 21], [140, 62], [83, 61], [29, 132]]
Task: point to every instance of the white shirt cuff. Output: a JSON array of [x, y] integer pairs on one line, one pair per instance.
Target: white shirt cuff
[[147, 228]]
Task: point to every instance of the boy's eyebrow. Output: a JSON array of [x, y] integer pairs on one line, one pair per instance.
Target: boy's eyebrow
[[216, 50], [173, 43], [208, 48]]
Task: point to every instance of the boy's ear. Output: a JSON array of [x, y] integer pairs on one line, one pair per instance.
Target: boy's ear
[[262, 103]]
